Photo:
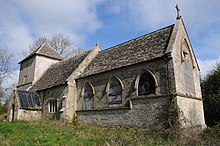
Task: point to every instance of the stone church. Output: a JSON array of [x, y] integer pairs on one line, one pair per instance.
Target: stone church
[[127, 85]]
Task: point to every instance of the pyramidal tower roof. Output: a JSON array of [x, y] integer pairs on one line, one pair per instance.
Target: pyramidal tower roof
[[45, 50]]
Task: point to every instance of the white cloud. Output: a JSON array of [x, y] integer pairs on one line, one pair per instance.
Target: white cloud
[[14, 35], [151, 14], [23, 21], [201, 20], [12, 80], [66, 15], [155, 13], [208, 45], [207, 65]]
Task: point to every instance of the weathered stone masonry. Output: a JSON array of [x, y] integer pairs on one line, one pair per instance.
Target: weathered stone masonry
[[127, 85]]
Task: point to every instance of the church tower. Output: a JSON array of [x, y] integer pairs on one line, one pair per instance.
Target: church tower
[[34, 65]]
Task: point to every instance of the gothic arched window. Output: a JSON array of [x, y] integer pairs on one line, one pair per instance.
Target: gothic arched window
[[146, 84], [88, 96], [115, 91]]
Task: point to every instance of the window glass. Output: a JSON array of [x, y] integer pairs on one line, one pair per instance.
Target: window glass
[[52, 106], [88, 96], [115, 91], [146, 84]]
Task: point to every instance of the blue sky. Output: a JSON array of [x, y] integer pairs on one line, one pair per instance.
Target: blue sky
[[108, 21]]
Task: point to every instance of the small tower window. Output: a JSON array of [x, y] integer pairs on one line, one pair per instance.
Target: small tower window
[[146, 84], [115, 91], [88, 96]]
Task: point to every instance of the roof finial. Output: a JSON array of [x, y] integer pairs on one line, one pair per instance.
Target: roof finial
[[178, 12], [97, 44]]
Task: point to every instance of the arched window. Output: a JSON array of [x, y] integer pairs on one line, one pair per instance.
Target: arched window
[[115, 91], [88, 96], [146, 84]]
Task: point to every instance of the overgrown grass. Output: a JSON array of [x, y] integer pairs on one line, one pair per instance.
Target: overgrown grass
[[58, 133], [22, 133]]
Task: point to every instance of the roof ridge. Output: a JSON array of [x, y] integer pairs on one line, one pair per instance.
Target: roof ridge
[[137, 50], [57, 73], [78, 55], [41, 46], [51, 53], [138, 37], [46, 43]]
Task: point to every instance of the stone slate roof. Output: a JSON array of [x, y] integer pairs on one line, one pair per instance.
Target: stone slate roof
[[45, 50], [28, 100], [147, 47], [59, 72]]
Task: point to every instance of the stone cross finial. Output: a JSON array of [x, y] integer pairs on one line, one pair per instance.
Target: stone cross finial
[[178, 12], [97, 44]]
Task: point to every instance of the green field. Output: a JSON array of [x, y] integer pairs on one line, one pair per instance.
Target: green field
[[48, 133]]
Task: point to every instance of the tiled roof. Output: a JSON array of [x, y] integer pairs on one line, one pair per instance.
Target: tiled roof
[[59, 72], [28, 100], [45, 50], [147, 47]]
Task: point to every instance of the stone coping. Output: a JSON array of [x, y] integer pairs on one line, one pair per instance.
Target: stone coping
[[148, 97], [125, 108], [24, 84], [105, 109], [31, 109], [186, 96]]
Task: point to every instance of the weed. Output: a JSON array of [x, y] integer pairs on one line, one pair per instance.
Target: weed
[[64, 133]]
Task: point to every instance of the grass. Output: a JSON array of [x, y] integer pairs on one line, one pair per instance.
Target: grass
[[58, 133], [21, 133]]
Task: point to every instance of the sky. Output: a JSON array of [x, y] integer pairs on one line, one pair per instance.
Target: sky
[[110, 22]]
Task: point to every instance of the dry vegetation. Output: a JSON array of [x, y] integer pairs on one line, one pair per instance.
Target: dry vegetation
[[61, 133]]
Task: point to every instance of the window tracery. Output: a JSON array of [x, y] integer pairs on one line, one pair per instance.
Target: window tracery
[[88, 96], [115, 91], [146, 84]]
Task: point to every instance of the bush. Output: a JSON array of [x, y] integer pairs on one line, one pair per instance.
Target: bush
[[211, 94], [3, 109]]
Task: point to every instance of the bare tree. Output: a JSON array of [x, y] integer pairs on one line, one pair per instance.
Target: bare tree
[[61, 43], [36, 44], [5, 60]]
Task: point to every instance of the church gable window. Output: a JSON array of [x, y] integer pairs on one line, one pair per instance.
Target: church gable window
[[115, 91], [88, 96], [146, 84], [188, 69]]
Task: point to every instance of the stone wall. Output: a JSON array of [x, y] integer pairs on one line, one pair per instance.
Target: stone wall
[[29, 115], [143, 112], [26, 75], [134, 111], [58, 93], [191, 105], [13, 102], [19, 113], [32, 69], [180, 35], [128, 76], [192, 112], [72, 97], [42, 64]]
